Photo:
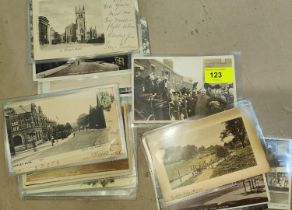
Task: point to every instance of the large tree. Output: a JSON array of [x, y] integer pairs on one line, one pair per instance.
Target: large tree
[[236, 129], [189, 151], [82, 121], [68, 129]]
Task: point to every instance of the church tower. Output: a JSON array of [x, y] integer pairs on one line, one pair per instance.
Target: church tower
[[80, 24]]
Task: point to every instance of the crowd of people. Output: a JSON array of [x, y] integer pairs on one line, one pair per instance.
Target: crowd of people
[[280, 181], [156, 99]]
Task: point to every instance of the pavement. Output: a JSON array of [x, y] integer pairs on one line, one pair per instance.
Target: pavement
[[39, 149], [82, 139]]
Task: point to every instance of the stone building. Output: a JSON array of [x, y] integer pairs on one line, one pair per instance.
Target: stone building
[[52, 35], [80, 24], [91, 34], [70, 33], [27, 127], [44, 30], [75, 32]]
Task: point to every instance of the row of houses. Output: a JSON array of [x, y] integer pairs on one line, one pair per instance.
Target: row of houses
[[163, 70]]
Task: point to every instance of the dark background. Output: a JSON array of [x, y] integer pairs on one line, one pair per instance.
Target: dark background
[[259, 29]]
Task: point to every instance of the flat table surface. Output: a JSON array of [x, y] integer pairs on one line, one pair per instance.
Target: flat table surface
[[260, 30]]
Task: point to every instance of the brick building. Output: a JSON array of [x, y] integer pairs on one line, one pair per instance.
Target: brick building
[[27, 126], [162, 69]]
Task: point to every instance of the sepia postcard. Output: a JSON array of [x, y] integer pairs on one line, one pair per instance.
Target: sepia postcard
[[279, 151], [64, 129], [44, 179], [250, 192], [110, 182], [94, 184], [81, 66], [168, 89], [72, 28], [196, 155]]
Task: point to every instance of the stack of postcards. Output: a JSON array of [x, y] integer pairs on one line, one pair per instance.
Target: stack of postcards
[[218, 157], [76, 140], [74, 143]]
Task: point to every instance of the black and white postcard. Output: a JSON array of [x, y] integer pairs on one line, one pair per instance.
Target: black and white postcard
[[279, 179], [280, 189], [72, 28], [197, 155], [82, 66], [173, 88], [69, 128]]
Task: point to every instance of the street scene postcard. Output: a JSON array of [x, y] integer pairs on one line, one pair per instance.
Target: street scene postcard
[[168, 89], [75, 128], [59, 177], [72, 28], [194, 156]]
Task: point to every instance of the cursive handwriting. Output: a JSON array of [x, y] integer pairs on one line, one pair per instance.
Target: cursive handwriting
[[120, 24]]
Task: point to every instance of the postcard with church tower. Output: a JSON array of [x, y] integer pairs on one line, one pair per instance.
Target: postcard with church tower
[[75, 28], [65, 129]]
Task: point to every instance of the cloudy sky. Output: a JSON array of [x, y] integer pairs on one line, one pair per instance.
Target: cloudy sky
[[205, 135], [65, 108], [61, 13]]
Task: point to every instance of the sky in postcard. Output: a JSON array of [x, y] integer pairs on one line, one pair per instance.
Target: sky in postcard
[[205, 136], [190, 67], [66, 108], [61, 13]]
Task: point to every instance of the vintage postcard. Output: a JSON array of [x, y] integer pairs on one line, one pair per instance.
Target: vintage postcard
[[167, 89], [73, 174], [248, 192], [95, 184], [123, 81], [72, 28], [82, 66], [196, 155], [122, 193], [279, 184], [85, 172], [64, 129], [279, 179]]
